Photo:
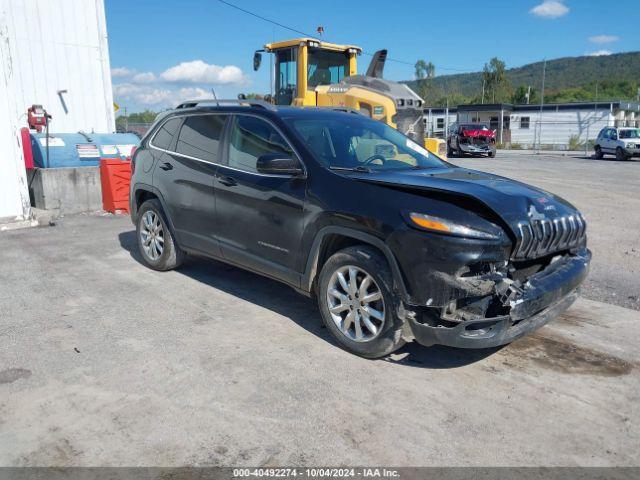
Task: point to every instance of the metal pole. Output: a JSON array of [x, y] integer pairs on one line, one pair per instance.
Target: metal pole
[[446, 120], [544, 74], [126, 120]]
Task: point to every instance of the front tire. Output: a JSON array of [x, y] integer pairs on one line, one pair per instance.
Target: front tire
[[156, 243], [620, 155], [357, 303]]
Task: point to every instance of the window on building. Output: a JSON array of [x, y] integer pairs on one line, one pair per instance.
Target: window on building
[[493, 123], [164, 136], [251, 138], [439, 123], [200, 136], [524, 123], [475, 120]]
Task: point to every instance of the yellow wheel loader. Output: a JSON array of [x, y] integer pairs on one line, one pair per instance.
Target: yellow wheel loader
[[310, 72]]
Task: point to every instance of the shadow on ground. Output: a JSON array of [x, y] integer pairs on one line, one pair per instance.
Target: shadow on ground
[[285, 301]]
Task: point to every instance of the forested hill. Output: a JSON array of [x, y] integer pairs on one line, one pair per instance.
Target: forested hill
[[615, 76]]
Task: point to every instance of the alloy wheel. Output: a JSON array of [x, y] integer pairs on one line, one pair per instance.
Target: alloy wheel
[[152, 235], [356, 303]]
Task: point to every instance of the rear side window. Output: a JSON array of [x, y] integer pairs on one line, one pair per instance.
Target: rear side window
[[200, 136], [250, 138], [164, 135]]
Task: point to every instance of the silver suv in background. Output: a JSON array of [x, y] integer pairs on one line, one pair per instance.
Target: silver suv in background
[[623, 142]]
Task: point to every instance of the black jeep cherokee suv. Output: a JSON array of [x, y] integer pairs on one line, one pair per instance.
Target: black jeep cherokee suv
[[395, 243]]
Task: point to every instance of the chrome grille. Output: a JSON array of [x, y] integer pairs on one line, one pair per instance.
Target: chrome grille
[[541, 237]]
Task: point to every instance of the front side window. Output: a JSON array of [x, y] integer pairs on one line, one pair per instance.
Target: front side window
[[200, 136], [252, 137], [326, 67], [164, 136], [286, 75], [350, 141]]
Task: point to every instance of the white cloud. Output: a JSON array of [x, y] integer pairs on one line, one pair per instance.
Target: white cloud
[[604, 39], [122, 72], [197, 71], [159, 97], [599, 53], [146, 77], [550, 9]]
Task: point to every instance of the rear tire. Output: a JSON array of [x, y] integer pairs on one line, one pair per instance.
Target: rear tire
[[155, 240], [345, 310], [599, 153]]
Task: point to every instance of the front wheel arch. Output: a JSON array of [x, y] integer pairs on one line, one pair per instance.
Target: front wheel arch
[[352, 237]]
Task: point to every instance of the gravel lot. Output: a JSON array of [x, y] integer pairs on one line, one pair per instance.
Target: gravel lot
[[105, 362], [608, 194]]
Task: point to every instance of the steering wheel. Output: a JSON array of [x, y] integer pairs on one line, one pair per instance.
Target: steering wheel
[[377, 156]]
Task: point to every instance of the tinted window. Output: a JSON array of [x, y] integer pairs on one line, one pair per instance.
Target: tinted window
[[200, 135], [165, 133], [350, 141], [250, 138]]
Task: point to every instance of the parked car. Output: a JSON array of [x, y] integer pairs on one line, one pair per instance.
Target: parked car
[[623, 142], [394, 243], [471, 138]]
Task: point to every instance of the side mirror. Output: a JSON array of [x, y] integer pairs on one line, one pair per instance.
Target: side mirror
[[278, 164], [257, 60]]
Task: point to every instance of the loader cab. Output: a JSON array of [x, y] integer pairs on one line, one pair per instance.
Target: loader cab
[[303, 64]]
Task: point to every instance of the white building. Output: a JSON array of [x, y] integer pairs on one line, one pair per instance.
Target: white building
[[53, 53], [557, 125]]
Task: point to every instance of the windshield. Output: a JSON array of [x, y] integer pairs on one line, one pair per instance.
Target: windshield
[[473, 126], [355, 141], [326, 67], [630, 133]]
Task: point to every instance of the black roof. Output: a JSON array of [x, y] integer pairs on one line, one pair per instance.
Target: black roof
[[510, 107]]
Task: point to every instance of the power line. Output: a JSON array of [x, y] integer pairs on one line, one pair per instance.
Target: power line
[[264, 18], [281, 25]]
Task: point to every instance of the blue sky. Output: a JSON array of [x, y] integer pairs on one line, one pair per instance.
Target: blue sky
[[164, 51]]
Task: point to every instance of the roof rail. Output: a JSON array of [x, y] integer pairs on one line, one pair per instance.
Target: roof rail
[[218, 102]]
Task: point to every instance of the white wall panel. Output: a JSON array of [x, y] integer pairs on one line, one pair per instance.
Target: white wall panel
[[48, 46]]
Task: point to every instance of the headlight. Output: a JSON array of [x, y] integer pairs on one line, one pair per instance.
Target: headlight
[[436, 224]]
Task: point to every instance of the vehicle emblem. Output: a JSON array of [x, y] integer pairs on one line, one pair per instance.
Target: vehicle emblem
[[534, 214]]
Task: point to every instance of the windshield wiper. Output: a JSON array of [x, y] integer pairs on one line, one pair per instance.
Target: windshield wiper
[[359, 168]]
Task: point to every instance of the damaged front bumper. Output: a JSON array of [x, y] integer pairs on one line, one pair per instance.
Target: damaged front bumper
[[478, 148], [544, 296]]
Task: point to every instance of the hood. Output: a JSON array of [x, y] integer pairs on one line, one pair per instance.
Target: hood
[[478, 133], [513, 201]]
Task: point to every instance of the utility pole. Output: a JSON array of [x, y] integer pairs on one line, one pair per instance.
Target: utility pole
[[483, 91], [528, 94], [544, 74], [126, 120]]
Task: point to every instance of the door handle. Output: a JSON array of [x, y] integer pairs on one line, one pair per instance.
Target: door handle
[[166, 166], [228, 181]]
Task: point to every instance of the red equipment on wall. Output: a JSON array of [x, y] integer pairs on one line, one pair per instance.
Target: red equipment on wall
[[37, 118]]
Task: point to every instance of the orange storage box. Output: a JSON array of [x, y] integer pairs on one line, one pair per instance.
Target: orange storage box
[[115, 177]]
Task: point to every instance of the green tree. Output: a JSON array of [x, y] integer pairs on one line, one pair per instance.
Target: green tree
[[520, 95], [424, 70], [497, 86], [147, 116]]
